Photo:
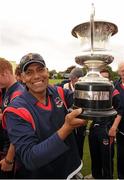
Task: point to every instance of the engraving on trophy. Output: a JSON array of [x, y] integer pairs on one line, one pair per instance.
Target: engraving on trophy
[[92, 95]]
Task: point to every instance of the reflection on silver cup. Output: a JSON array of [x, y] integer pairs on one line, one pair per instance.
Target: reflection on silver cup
[[92, 95]]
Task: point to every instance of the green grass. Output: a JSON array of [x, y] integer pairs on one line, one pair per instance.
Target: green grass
[[87, 161], [54, 81]]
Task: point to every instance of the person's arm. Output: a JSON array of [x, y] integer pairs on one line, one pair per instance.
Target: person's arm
[[113, 129], [0, 115], [33, 153], [117, 105], [7, 163]]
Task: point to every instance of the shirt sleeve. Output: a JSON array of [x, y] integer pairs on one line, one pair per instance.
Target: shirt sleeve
[[117, 104], [31, 151]]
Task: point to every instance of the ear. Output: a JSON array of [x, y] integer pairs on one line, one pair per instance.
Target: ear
[[47, 71], [118, 72], [22, 77]]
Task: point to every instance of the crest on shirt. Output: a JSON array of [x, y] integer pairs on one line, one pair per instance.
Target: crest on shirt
[[59, 102], [105, 142], [6, 101]]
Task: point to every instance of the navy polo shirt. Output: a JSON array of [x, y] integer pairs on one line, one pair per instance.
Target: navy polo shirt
[[33, 130]]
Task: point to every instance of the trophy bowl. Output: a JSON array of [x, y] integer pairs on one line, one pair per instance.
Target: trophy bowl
[[102, 32]]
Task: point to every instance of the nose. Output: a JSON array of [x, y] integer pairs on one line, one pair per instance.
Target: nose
[[36, 75]]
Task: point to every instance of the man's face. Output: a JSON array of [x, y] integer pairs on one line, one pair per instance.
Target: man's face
[[36, 78], [105, 74], [74, 80], [121, 72], [4, 80]]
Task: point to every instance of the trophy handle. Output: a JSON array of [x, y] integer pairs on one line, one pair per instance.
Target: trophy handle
[[92, 28]]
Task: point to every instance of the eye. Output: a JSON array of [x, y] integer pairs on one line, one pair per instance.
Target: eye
[[40, 69], [28, 72]]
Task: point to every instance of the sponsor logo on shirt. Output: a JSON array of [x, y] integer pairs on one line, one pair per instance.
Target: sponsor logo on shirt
[[59, 102], [105, 142], [6, 101]]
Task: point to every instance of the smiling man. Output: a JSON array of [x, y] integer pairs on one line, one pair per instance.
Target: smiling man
[[40, 126]]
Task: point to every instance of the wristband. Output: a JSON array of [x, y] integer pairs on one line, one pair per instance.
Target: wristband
[[10, 162]]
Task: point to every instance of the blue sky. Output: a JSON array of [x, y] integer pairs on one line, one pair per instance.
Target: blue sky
[[44, 26]]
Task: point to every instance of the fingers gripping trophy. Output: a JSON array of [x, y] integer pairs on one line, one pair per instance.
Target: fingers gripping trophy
[[93, 92]]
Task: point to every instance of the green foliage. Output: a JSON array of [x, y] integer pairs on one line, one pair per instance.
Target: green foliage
[[113, 74], [68, 70], [52, 72], [59, 76], [54, 81]]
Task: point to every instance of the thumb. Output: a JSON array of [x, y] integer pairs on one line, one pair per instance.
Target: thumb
[[76, 112]]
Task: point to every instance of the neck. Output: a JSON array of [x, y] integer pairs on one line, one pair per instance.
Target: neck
[[11, 82], [122, 81], [41, 97]]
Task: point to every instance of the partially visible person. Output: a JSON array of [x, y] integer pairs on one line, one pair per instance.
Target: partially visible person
[[80, 132], [18, 75], [101, 140], [1, 143], [74, 75], [118, 127], [68, 83], [61, 84], [0, 98], [10, 89], [40, 126], [2, 92], [105, 73]]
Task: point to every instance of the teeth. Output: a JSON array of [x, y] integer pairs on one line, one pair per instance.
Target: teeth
[[38, 83]]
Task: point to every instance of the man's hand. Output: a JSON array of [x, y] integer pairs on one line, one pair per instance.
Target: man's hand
[[112, 132], [5, 166], [71, 122], [113, 129]]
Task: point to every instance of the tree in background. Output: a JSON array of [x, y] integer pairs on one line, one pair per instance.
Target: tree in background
[[113, 74], [60, 75]]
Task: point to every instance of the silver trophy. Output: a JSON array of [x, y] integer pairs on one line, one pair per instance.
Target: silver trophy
[[93, 92]]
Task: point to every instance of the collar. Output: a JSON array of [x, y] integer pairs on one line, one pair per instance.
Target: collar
[[12, 88], [32, 99]]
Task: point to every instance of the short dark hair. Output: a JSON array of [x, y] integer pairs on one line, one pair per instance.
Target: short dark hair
[[18, 70]]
